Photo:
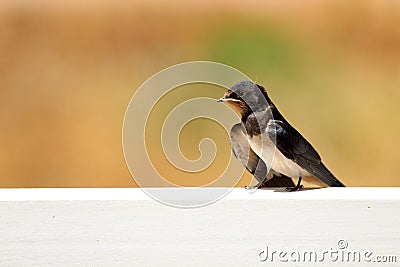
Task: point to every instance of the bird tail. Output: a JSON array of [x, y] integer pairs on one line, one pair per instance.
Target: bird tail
[[321, 172]]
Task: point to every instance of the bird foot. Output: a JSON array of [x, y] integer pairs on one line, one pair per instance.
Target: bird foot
[[292, 189], [252, 187], [257, 186]]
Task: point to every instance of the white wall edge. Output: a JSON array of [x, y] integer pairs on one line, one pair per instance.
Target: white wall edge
[[332, 193]]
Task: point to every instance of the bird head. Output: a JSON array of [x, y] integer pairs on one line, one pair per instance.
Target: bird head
[[246, 97]]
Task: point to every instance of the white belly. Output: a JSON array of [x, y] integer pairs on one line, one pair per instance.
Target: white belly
[[274, 158]]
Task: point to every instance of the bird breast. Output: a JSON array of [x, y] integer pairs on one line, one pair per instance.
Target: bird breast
[[263, 146]]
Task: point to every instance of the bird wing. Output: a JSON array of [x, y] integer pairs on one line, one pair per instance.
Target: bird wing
[[295, 147], [256, 166]]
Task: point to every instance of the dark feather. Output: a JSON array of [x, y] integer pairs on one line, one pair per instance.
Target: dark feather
[[295, 147], [256, 166], [279, 181]]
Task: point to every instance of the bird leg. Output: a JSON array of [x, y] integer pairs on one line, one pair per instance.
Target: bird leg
[[260, 184], [296, 188], [255, 187]]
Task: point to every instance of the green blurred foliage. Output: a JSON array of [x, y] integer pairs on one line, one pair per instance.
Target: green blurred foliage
[[261, 48]]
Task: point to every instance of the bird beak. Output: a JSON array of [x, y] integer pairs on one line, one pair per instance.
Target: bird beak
[[224, 99]]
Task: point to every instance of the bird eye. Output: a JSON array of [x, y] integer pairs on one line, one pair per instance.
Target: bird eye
[[233, 95]]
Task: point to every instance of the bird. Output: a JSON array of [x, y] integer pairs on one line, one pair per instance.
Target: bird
[[271, 149]]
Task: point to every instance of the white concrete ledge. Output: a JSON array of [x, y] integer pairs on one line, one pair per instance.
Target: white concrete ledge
[[124, 227], [332, 193]]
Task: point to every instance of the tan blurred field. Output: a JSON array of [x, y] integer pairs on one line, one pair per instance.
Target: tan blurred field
[[68, 71]]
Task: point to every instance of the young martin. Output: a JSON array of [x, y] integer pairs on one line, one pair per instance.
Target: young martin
[[268, 146]]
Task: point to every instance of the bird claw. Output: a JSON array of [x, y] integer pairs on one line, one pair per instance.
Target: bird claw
[[292, 189], [252, 187]]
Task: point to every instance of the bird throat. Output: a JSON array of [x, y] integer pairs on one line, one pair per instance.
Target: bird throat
[[237, 107]]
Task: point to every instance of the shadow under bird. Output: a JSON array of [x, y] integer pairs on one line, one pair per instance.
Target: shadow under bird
[[268, 146]]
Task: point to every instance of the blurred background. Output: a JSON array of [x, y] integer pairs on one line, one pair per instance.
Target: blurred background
[[68, 70]]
